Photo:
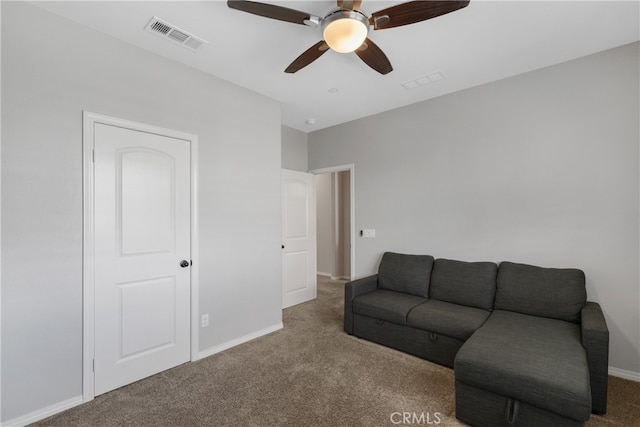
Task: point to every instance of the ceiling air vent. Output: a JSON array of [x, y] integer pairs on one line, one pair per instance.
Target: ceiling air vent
[[168, 31], [423, 80]]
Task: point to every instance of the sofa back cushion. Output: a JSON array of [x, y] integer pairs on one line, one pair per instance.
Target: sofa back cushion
[[405, 273], [466, 283], [557, 293]]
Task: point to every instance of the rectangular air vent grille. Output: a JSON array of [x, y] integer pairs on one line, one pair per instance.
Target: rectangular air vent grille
[[423, 80], [171, 32], [160, 27]]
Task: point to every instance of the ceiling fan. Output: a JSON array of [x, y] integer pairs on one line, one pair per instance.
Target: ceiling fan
[[345, 28]]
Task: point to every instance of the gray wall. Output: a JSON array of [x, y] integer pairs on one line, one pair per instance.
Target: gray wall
[[54, 69], [294, 149], [541, 168]]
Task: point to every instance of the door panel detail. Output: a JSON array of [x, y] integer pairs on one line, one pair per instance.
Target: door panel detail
[[146, 202], [152, 329]]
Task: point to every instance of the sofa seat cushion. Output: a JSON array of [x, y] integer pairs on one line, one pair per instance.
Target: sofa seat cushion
[[453, 320], [535, 360], [386, 305]]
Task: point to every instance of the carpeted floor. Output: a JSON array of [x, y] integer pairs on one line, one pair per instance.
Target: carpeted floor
[[308, 374]]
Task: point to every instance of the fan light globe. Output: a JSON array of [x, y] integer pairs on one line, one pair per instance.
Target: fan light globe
[[345, 31]]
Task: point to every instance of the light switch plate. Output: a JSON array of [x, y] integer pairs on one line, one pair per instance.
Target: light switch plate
[[368, 233]]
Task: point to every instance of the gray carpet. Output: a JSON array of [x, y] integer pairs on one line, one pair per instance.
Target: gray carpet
[[308, 374]]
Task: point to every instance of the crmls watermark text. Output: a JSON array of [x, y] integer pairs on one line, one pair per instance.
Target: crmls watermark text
[[414, 418]]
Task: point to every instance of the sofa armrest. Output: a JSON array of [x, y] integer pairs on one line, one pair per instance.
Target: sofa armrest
[[351, 291], [595, 339]]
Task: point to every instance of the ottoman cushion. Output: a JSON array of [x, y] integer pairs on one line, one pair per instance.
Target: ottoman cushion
[[536, 360]]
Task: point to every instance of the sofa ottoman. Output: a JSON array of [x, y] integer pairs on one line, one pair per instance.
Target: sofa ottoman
[[524, 363], [528, 364]]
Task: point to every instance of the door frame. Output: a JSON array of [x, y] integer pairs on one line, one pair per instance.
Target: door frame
[[351, 167], [89, 120]]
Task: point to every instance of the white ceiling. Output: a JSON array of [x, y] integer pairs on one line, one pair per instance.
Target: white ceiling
[[486, 41]]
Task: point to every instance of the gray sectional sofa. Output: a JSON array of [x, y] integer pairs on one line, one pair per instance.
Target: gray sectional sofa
[[526, 346]]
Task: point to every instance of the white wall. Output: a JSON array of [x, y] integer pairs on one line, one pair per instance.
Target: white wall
[[294, 149], [541, 168], [54, 69]]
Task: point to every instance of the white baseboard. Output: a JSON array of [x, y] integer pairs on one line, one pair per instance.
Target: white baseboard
[[229, 344], [329, 276], [43, 413], [627, 375]]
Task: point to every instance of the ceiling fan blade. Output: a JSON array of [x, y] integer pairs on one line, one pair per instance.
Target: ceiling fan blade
[[374, 57], [270, 11], [307, 57], [413, 11], [349, 4]]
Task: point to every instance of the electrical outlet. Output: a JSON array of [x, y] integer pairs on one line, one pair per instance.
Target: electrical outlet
[[204, 322]]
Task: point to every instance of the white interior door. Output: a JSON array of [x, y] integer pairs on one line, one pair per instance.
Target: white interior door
[[142, 233], [298, 238]]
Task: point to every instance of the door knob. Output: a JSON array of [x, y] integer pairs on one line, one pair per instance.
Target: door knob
[[184, 263]]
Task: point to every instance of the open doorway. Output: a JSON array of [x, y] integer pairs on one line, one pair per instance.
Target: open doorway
[[335, 222]]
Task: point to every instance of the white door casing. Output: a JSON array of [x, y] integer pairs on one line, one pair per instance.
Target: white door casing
[[299, 281], [140, 227]]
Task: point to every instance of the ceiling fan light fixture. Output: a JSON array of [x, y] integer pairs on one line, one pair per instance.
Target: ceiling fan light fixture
[[345, 31]]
